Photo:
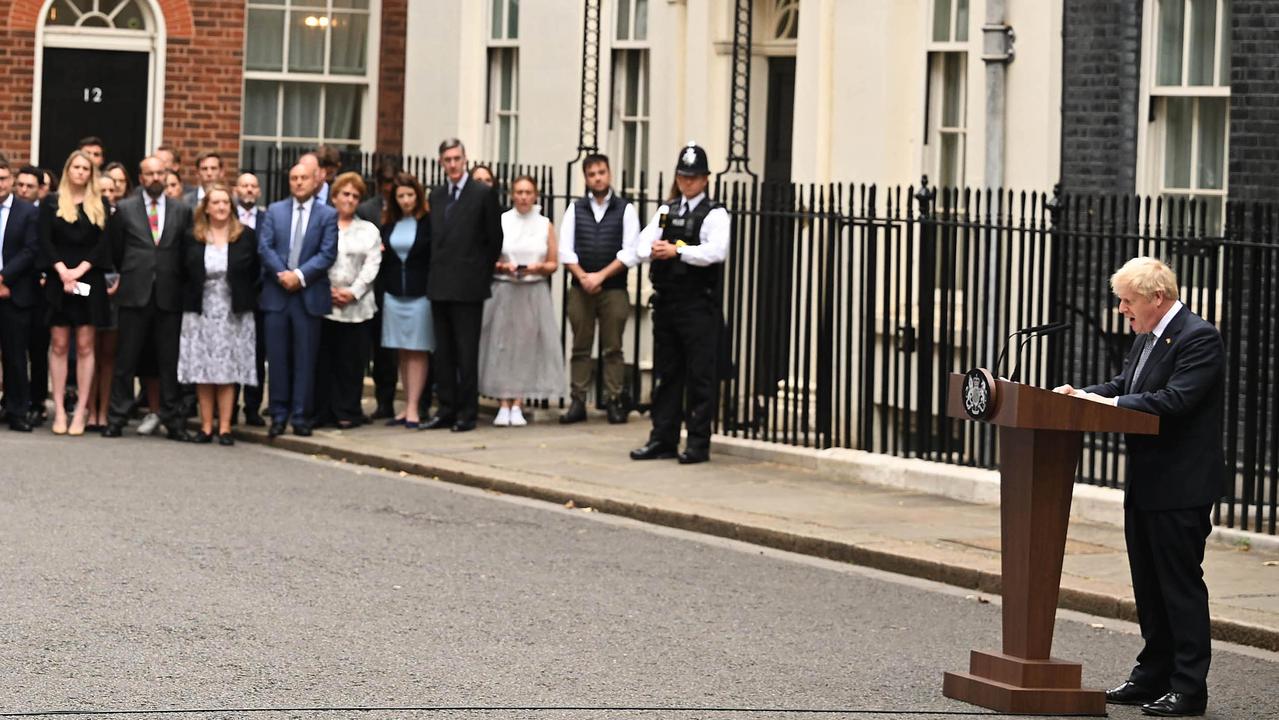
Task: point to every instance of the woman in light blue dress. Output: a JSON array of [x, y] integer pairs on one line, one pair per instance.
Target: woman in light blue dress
[[406, 311]]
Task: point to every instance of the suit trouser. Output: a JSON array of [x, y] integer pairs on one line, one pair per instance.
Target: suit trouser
[[1165, 554], [253, 393], [610, 308], [15, 331], [686, 333], [292, 344], [38, 351], [164, 329], [457, 358], [339, 371]]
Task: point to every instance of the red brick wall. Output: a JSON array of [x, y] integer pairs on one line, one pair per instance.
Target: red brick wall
[[204, 69], [390, 89]]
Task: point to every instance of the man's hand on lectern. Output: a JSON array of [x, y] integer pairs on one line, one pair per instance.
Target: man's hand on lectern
[[1066, 390]]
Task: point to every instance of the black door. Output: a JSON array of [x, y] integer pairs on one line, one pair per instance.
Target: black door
[[778, 239], [94, 92]]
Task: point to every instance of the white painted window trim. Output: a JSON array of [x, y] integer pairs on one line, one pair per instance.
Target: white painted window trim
[[153, 41]]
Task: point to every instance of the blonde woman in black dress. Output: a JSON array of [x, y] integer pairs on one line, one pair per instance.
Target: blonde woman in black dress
[[73, 243]]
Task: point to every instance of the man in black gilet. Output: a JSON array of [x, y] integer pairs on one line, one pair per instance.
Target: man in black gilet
[[597, 246], [687, 241]]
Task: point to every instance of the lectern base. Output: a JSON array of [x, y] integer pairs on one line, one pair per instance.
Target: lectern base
[[1015, 685]]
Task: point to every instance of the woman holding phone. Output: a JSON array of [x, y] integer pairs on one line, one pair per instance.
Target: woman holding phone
[[75, 254]]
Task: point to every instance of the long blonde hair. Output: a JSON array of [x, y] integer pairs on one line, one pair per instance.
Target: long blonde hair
[[201, 224], [93, 207]]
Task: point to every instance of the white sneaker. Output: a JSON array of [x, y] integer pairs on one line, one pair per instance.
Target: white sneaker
[[149, 424], [517, 417], [503, 418]]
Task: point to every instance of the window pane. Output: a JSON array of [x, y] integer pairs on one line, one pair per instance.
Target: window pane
[[504, 123], [953, 91], [306, 42], [1203, 41], [1224, 66], [261, 100], [349, 44], [961, 21], [129, 17], [952, 160], [630, 142], [1212, 143], [623, 19], [1171, 31], [264, 47], [507, 101], [513, 19], [301, 110], [342, 112], [641, 19], [642, 165], [941, 20], [253, 155], [496, 11], [631, 104], [1177, 140], [352, 4]]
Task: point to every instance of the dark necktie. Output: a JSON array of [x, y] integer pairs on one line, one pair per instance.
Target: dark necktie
[[453, 193], [1141, 361]]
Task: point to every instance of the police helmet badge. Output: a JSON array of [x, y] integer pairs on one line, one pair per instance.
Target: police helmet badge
[[689, 157], [979, 395]]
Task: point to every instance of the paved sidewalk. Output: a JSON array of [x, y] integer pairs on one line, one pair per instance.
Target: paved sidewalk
[[790, 508]]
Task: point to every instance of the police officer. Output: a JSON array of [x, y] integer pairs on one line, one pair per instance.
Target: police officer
[[687, 242]]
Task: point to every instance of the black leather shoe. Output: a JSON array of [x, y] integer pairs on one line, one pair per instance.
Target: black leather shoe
[[1176, 704], [302, 430], [617, 412], [36, 418], [19, 425], [464, 426], [177, 435], [202, 438], [692, 457], [253, 419], [225, 439], [276, 429], [654, 450], [1130, 693], [576, 413], [112, 431], [438, 422], [382, 412]]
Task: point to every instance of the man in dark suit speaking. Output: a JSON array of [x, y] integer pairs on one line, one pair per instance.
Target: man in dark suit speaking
[[466, 241], [1176, 370]]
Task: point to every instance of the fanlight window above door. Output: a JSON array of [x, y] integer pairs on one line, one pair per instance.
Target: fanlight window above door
[[109, 14]]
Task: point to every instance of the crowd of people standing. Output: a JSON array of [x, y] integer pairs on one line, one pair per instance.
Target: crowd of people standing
[[162, 301]]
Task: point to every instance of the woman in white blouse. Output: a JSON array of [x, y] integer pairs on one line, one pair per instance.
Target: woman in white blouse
[[520, 353], [346, 335]]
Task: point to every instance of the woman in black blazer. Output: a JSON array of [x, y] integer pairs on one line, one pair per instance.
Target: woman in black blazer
[[219, 294], [406, 312]]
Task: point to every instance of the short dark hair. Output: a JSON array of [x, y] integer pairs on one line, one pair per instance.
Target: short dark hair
[[165, 147], [205, 156], [328, 156], [4, 163], [90, 140], [449, 143], [594, 159], [32, 170]]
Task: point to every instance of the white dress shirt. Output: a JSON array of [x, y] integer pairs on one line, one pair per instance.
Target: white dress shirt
[[1167, 318], [248, 216], [630, 231], [713, 238], [299, 216]]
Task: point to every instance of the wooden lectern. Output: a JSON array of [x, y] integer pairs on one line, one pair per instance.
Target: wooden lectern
[[1040, 441]]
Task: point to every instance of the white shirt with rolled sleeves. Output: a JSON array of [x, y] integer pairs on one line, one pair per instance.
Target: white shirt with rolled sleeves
[[713, 238], [630, 232]]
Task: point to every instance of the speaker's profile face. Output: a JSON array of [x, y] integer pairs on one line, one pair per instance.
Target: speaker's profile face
[[1143, 313]]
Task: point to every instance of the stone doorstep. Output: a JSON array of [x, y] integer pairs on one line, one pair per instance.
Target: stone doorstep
[[958, 482]]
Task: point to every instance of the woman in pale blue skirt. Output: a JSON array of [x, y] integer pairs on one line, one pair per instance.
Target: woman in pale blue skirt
[[406, 311]]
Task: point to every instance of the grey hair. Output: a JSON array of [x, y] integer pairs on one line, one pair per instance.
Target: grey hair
[[449, 143]]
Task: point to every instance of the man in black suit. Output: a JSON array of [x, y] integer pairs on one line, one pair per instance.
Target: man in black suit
[[1176, 370], [466, 241], [247, 192], [147, 233], [30, 185], [19, 291]]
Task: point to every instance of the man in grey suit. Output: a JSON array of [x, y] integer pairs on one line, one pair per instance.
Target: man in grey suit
[[147, 233]]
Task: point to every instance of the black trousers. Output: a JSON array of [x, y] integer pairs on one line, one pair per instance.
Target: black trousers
[[457, 358], [339, 371], [164, 329], [386, 361], [15, 332], [253, 394], [38, 351], [686, 332], [1165, 554]]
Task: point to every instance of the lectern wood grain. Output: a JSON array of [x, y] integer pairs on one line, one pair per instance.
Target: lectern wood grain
[[1040, 439]]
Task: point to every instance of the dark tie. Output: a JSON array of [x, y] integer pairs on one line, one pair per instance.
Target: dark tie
[[453, 193], [1141, 361]]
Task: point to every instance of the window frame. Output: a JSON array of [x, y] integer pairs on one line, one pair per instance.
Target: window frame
[[938, 54], [620, 118]]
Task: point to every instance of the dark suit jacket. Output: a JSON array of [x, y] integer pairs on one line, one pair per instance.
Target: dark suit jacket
[[371, 210], [21, 247], [143, 265], [1183, 382], [466, 242], [406, 279], [191, 197], [243, 273], [319, 250]]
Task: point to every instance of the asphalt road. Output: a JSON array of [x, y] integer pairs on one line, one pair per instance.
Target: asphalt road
[[140, 574]]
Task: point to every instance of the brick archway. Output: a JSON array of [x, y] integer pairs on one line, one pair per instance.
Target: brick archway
[[178, 19]]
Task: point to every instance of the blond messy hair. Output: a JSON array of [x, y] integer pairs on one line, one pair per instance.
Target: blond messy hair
[[1146, 276]]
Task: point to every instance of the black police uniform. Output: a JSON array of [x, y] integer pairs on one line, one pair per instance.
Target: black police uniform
[[687, 322]]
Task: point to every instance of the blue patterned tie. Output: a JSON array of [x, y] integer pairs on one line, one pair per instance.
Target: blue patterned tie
[[1141, 361]]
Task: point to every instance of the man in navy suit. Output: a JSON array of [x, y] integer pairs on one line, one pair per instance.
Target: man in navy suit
[[297, 241], [1176, 370], [19, 293]]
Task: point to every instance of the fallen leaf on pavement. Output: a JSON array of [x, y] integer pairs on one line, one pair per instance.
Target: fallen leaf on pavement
[[1271, 563]]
